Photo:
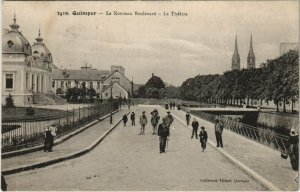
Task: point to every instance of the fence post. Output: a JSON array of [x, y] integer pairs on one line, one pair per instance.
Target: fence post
[[67, 116], [79, 114], [73, 115]]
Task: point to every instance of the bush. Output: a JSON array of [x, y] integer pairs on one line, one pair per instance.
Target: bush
[[9, 101], [29, 111]]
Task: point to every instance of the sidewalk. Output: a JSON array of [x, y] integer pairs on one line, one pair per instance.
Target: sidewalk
[[71, 146], [261, 159]]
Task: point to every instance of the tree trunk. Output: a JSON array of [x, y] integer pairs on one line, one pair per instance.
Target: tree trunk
[[292, 105], [251, 102], [247, 100], [284, 109], [261, 102], [277, 107]]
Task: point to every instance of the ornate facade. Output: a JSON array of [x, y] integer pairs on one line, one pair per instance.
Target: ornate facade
[[26, 69]]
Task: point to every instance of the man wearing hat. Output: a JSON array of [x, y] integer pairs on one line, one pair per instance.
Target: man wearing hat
[[132, 117], [169, 119], [203, 138], [163, 132], [143, 122], [195, 126], [187, 117], [218, 133]]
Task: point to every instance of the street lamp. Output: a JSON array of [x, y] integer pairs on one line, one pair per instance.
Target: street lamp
[[188, 99], [111, 98]]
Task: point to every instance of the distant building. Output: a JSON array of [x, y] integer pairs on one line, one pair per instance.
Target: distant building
[[100, 80], [235, 63], [251, 56], [26, 69], [286, 47]]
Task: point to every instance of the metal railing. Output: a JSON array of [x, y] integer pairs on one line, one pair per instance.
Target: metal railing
[[259, 134], [28, 131]]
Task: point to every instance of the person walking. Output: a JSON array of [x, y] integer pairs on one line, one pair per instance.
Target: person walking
[[125, 119], [143, 122], [195, 126], [218, 133], [163, 132], [132, 117], [171, 105], [169, 119], [154, 120], [47, 136], [293, 149], [188, 118], [203, 138]]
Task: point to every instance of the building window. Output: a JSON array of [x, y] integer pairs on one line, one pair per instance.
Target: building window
[[10, 43], [27, 80], [9, 81], [98, 85], [91, 85], [53, 84], [62, 84]]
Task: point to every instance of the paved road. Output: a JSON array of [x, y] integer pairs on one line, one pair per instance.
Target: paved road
[[128, 161]]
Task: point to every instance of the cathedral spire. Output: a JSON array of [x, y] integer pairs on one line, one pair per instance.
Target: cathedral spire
[[251, 56], [14, 26], [235, 64]]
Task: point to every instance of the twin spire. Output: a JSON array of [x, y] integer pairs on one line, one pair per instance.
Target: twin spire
[[235, 65]]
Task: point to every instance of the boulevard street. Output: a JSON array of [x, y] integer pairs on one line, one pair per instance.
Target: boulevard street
[[126, 160]]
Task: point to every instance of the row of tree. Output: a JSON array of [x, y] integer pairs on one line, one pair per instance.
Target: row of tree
[[276, 80]]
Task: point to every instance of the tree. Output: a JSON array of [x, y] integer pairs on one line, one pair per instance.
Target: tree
[[9, 101]]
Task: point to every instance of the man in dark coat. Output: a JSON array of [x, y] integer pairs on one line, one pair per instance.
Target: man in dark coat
[[163, 133], [203, 138], [195, 126], [293, 149], [132, 117], [188, 118], [218, 133], [125, 119]]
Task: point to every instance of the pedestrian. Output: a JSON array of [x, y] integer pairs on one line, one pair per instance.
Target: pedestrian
[[293, 149], [203, 138], [154, 120], [195, 126], [188, 118], [3, 183], [174, 105], [125, 119], [218, 133], [169, 119], [132, 117], [143, 122], [53, 131], [171, 105], [163, 132], [167, 106], [47, 136]]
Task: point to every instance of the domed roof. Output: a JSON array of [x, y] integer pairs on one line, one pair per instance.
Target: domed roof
[[40, 51], [14, 42]]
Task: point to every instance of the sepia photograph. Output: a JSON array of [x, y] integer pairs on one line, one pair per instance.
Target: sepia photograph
[[150, 95]]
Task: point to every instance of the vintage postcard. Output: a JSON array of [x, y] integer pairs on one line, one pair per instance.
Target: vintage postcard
[[150, 96]]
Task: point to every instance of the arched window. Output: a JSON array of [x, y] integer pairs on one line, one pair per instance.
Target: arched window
[[10, 43]]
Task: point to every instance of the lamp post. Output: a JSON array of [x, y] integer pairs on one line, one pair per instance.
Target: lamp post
[[188, 99], [111, 100]]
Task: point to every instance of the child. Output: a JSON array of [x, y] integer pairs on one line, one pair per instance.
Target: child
[[203, 138]]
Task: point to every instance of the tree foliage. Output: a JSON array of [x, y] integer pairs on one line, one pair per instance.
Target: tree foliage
[[154, 88], [276, 80]]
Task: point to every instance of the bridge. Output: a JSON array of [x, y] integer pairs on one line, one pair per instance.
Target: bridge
[[116, 157], [227, 111]]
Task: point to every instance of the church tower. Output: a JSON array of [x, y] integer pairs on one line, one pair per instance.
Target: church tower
[[251, 56], [235, 64]]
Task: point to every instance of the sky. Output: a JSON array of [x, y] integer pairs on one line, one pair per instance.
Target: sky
[[172, 47]]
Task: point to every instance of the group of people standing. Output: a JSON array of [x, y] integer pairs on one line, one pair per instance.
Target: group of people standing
[[162, 129], [203, 134], [171, 106]]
